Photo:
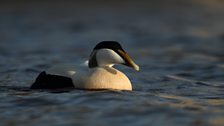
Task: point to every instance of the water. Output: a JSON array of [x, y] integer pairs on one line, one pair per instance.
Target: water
[[178, 45]]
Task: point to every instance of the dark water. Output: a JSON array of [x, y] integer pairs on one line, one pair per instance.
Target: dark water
[[178, 44]]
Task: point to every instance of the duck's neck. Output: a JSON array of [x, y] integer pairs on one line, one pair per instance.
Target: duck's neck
[[93, 62]]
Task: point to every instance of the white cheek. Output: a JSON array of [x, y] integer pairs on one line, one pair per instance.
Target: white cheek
[[108, 57]]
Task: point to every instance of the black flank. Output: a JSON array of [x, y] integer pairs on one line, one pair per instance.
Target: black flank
[[47, 81]]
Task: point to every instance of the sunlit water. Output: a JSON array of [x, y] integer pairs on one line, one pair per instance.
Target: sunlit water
[[181, 56]]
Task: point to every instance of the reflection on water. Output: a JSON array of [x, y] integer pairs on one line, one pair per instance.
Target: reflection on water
[[179, 46]]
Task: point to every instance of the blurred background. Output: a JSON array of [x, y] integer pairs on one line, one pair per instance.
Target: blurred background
[[46, 25], [179, 45]]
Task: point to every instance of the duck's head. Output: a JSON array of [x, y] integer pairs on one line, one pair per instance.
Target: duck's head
[[109, 53]]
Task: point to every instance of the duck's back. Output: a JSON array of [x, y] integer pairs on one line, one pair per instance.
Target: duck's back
[[57, 77]]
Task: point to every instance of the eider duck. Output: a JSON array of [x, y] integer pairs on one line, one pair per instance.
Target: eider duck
[[96, 75]]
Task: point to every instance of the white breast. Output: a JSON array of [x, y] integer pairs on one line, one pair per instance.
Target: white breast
[[102, 78]]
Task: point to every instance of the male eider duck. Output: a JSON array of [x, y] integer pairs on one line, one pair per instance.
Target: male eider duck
[[97, 74]]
